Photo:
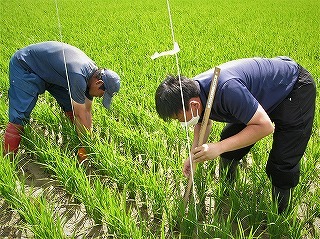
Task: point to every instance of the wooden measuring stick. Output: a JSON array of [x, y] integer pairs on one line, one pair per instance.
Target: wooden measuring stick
[[204, 123]]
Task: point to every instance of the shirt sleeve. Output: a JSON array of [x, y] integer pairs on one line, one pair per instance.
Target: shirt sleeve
[[237, 102]]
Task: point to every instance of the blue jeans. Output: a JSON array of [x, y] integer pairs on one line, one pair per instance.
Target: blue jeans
[[25, 87]]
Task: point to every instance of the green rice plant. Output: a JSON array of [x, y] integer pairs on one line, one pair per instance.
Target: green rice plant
[[127, 172], [134, 152], [36, 212], [218, 226], [114, 209], [3, 110], [243, 233], [315, 201], [100, 202], [290, 225]]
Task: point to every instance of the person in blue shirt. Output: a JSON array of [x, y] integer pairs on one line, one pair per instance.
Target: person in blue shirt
[[255, 97], [68, 74]]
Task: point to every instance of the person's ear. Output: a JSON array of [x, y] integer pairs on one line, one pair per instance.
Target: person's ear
[[195, 104], [99, 82]]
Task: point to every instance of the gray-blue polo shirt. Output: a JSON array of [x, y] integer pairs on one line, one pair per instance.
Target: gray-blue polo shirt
[[39, 67], [47, 61], [246, 82]]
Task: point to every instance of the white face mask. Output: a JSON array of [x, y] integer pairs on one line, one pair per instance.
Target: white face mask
[[193, 121]]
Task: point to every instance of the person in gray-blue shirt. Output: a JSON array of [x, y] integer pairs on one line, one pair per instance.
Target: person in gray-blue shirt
[[68, 74], [255, 97]]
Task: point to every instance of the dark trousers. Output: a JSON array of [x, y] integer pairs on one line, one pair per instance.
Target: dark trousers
[[293, 119]]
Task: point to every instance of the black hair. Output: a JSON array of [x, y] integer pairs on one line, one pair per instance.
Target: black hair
[[168, 95]]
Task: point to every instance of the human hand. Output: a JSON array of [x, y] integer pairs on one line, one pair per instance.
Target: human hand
[[186, 168], [206, 152], [82, 154]]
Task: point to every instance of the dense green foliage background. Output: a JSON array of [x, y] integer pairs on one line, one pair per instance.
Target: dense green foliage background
[[131, 146]]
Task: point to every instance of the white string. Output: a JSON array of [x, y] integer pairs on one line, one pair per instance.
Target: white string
[[64, 56], [184, 114], [175, 52]]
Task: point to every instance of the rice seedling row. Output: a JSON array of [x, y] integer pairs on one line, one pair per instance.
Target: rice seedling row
[[101, 203], [133, 184], [37, 213]]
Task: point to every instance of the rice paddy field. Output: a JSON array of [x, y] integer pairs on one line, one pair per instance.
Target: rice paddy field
[[132, 185]]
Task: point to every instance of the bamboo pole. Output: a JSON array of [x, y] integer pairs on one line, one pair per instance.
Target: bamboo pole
[[204, 123]]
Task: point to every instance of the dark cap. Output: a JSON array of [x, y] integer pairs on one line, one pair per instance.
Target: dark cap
[[111, 82]]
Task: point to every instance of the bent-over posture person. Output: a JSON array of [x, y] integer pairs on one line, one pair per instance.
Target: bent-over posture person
[[255, 97], [55, 67]]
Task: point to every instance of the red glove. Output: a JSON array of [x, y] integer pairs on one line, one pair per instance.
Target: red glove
[[82, 154]]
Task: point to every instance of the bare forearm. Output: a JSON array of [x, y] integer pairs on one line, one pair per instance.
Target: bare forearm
[[83, 124], [258, 127], [83, 118], [248, 136], [89, 121], [197, 132], [208, 130]]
